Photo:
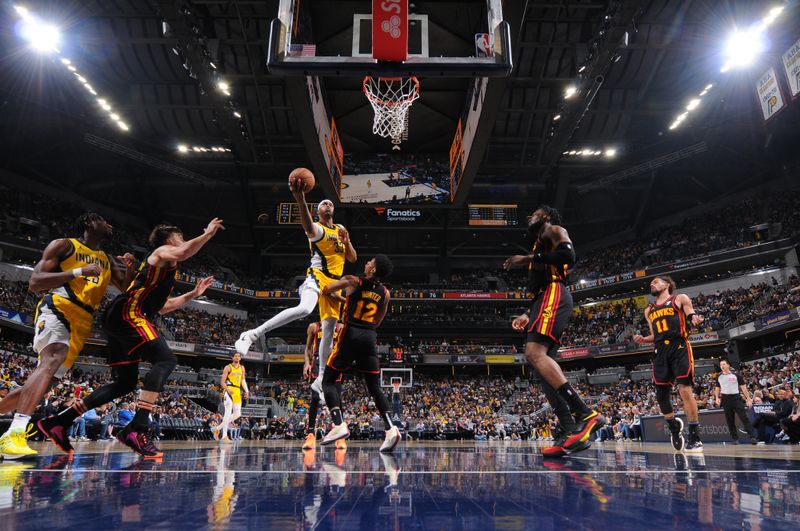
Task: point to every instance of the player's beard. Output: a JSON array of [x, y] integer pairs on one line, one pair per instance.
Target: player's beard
[[655, 293], [535, 228]]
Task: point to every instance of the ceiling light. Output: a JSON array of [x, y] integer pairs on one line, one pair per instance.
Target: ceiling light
[[743, 47], [681, 117], [105, 106], [71, 68], [557, 117], [237, 114], [212, 65], [223, 86], [674, 125], [196, 149], [611, 152], [122, 125], [66, 61], [709, 87], [183, 148], [693, 104], [582, 68], [21, 11], [42, 37], [772, 15], [114, 116], [81, 78], [570, 91]]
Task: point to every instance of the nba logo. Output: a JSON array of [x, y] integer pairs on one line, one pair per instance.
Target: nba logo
[[483, 45]]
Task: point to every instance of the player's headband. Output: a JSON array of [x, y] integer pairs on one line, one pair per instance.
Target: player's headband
[[323, 202]]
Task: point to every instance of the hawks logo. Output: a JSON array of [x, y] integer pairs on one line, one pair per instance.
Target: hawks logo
[[547, 314]]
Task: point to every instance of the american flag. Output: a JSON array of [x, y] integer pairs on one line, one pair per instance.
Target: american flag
[[302, 50]]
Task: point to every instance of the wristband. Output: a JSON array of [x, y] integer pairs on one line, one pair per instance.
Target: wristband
[[689, 317], [78, 271]]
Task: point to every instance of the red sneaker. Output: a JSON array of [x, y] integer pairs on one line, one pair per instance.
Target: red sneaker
[[580, 438], [139, 442], [57, 433]]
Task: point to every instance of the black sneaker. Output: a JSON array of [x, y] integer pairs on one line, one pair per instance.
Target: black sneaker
[[676, 434], [694, 446], [56, 432], [139, 442]]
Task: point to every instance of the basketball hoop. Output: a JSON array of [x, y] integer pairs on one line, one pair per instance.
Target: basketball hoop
[[391, 98]]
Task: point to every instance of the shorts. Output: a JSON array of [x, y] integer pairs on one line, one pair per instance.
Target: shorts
[[60, 321], [673, 362], [550, 313], [316, 281], [355, 347], [132, 339], [232, 408]]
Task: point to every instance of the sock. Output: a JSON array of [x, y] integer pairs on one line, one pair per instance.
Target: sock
[[672, 423], [387, 422], [143, 410], [336, 414], [576, 405], [66, 417], [312, 412], [694, 428], [20, 422]]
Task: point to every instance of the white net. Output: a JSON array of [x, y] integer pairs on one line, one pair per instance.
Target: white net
[[391, 98]]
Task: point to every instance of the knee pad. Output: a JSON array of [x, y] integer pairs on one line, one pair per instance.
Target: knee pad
[[664, 397]]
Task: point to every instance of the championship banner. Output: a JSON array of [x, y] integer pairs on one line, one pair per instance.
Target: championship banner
[[451, 295], [769, 94], [791, 63], [390, 30]]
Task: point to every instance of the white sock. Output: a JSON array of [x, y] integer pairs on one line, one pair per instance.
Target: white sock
[[20, 422]]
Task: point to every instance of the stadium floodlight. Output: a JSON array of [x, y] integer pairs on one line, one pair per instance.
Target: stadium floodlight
[[557, 117], [237, 114], [742, 47], [122, 125], [65, 61], [772, 15], [611, 153], [570, 91], [114, 116], [674, 125], [183, 148], [693, 104], [41, 36]]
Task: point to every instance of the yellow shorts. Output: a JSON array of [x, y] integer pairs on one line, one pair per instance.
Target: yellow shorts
[[316, 281], [60, 321]]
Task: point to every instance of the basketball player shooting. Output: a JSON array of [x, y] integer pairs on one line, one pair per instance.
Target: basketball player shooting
[[330, 246]]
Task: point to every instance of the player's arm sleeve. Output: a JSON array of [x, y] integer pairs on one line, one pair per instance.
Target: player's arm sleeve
[[317, 233], [563, 254]]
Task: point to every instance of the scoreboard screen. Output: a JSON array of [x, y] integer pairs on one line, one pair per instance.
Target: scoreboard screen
[[493, 215], [289, 213]]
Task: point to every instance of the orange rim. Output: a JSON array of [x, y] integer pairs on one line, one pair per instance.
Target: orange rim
[[371, 97]]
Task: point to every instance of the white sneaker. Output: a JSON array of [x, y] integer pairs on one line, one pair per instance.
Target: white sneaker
[[316, 386], [392, 438], [338, 432], [244, 342]]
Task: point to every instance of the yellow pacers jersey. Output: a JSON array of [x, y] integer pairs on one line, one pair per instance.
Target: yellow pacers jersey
[[327, 253], [86, 292], [234, 382]]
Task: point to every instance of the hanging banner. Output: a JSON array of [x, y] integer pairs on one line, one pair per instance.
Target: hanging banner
[[390, 30], [791, 62], [769, 94]]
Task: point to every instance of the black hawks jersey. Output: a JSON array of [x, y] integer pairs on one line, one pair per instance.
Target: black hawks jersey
[[541, 275], [668, 320], [364, 305], [149, 289]]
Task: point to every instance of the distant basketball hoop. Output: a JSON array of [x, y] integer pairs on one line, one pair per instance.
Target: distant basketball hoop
[[391, 99]]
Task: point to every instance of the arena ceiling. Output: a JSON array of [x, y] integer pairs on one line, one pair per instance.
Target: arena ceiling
[[52, 132]]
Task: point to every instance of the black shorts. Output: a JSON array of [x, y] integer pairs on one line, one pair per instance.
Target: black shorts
[[131, 338], [673, 362], [550, 313], [355, 348]]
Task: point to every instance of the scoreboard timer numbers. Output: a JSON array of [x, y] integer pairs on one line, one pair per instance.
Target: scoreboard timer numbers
[[493, 215], [289, 213]]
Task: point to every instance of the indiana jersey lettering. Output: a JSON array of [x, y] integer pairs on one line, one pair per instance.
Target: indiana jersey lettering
[[86, 292], [327, 253], [234, 382], [669, 322], [364, 305], [540, 275]]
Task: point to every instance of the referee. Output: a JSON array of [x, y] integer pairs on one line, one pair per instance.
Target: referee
[[728, 385]]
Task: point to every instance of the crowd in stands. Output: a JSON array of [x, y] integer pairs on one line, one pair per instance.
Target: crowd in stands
[[724, 228], [197, 326]]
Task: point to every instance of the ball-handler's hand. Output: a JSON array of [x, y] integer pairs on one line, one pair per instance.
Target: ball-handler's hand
[[520, 322], [214, 226], [697, 319], [296, 187], [638, 338], [515, 261], [91, 270]]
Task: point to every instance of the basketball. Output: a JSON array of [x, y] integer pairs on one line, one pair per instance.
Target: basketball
[[305, 175]]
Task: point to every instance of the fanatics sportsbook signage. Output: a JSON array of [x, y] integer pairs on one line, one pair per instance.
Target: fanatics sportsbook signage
[[769, 94], [791, 63]]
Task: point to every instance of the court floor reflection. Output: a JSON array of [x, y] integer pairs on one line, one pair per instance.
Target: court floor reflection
[[423, 486]]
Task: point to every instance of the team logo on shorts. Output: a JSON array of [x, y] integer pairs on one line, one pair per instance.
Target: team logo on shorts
[[548, 313], [40, 326]]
